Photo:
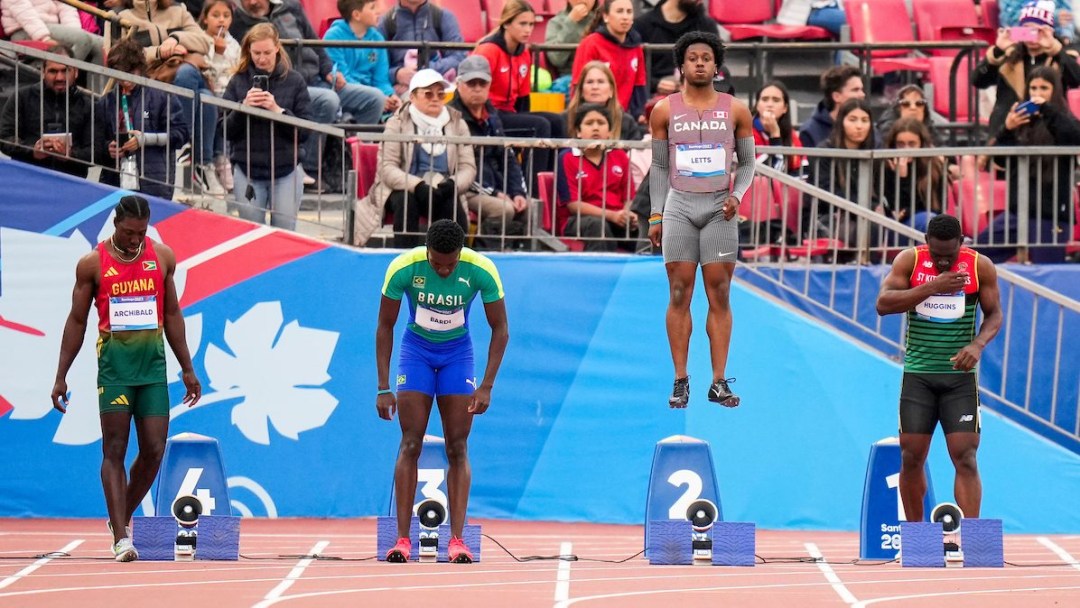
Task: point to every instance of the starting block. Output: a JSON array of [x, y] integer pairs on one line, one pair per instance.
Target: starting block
[[193, 498], [882, 508], [952, 540], [683, 518], [431, 472]]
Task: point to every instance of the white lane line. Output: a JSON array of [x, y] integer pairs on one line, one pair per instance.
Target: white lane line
[[830, 575], [39, 563], [1012, 590], [1062, 553], [562, 579], [293, 576]]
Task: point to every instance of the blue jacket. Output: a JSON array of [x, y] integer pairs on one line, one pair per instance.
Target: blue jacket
[[815, 131], [418, 27], [152, 112], [489, 161], [360, 66]]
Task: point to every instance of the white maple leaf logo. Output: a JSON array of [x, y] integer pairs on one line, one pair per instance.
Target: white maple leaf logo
[[36, 284], [276, 370]]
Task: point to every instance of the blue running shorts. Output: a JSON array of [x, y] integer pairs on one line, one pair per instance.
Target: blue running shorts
[[436, 368]]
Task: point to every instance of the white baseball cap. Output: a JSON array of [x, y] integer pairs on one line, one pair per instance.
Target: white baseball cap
[[427, 77]]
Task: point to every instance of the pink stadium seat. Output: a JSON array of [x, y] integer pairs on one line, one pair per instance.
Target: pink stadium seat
[[493, 9], [976, 209], [749, 19], [939, 77], [545, 181], [318, 11], [991, 14], [949, 20], [880, 21], [365, 157], [469, 17], [1074, 101]]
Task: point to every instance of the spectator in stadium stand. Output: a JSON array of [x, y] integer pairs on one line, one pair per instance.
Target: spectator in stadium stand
[[665, 24], [594, 186], [140, 123], [772, 127], [1008, 64], [838, 84], [168, 30], [367, 67], [327, 87], [1009, 16], [263, 152], [427, 179], [827, 14], [568, 27], [914, 189], [498, 192], [910, 102], [51, 21], [598, 86], [421, 21], [49, 124], [613, 40], [506, 50], [1050, 180]]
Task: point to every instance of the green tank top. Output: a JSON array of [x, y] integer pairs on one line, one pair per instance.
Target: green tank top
[[941, 325]]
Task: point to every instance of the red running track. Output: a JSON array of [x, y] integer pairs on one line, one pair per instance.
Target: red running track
[[1048, 572]]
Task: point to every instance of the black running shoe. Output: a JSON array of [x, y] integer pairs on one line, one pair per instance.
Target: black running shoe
[[720, 393], [680, 393]]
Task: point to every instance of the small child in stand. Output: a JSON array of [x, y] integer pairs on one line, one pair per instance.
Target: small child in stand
[[216, 17]]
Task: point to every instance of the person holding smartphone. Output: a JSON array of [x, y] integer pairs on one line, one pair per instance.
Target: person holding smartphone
[[1043, 120], [49, 124], [265, 154], [1009, 62]]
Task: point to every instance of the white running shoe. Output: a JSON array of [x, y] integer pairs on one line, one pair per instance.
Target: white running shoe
[[125, 551]]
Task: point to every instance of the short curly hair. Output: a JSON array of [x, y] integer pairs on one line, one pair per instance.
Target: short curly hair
[[445, 236], [944, 228], [698, 37]]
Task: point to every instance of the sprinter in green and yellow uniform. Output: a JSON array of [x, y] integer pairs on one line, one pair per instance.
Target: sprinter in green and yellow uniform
[[440, 281]]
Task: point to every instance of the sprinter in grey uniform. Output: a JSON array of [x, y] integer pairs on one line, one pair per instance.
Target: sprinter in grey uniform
[[697, 136]]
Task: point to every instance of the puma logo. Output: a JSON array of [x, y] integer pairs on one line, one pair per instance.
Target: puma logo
[[465, 281]]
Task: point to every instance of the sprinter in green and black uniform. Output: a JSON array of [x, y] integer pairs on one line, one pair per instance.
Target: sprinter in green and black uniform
[[939, 285], [130, 279], [440, 281]]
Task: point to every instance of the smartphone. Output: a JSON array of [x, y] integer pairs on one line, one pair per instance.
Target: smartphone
[[1023, 34], [1029, 107], [261, 82]]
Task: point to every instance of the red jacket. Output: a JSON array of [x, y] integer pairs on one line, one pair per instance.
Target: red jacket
[[626, 60], [511, 73]]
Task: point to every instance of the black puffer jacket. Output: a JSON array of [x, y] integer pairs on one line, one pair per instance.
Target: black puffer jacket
[[260, 147]]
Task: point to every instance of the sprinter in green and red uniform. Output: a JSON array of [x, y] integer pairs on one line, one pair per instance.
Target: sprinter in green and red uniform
[[440, 282], [129, 277], [939, 285]]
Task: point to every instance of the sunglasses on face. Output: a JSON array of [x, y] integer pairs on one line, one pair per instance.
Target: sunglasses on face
[[431, 94], [912, 103]]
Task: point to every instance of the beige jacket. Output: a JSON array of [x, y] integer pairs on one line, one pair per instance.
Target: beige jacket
[[392, 170], [160, 24]]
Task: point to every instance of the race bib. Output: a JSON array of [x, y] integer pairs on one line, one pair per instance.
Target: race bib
[[434, 320], [700, 160], [942, 308], [130, 313]]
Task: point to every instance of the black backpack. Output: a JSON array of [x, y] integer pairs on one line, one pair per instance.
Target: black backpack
[[436, 20]]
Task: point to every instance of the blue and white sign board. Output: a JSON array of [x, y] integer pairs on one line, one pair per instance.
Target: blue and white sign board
[[682, 472], [192, 465], [882, 508]]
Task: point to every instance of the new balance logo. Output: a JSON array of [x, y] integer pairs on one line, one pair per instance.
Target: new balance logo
[[967, 418], [111, 272], [121, 400], [465, 281]]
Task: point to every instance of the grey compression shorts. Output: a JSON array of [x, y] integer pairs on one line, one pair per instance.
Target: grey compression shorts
[[695, 229]]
